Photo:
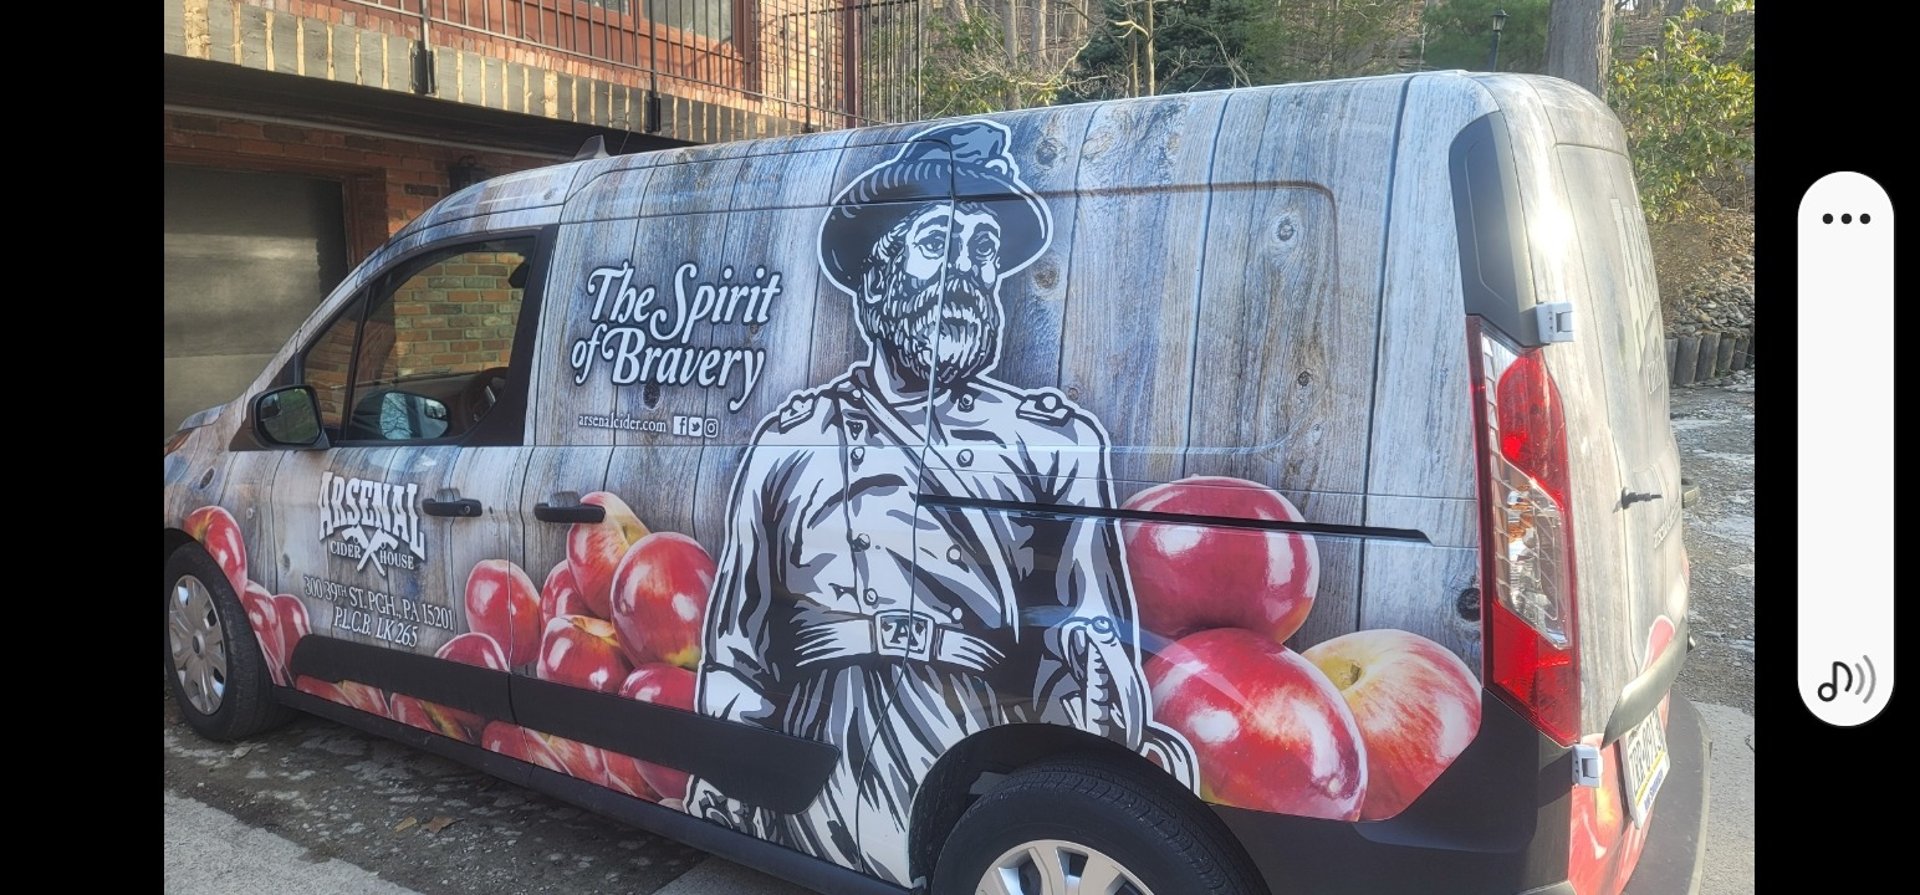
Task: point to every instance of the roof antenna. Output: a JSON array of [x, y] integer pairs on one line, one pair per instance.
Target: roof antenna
[[595, 147]]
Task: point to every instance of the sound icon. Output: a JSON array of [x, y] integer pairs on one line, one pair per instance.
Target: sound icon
[[1860, 673]]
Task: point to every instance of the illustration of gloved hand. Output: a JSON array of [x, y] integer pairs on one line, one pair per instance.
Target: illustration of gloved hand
[[1169, 751], [1111, 698], [704, 801]]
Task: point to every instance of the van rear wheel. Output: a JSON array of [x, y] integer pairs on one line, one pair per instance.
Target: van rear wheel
[[1090, 825]]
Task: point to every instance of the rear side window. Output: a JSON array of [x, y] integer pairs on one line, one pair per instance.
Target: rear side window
[[427, 353]]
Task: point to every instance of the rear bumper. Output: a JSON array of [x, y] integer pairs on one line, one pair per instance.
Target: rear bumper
[[1677, 840], [1494, 824]]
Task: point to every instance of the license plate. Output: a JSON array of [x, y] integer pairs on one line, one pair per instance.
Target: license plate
[[1643, 766]]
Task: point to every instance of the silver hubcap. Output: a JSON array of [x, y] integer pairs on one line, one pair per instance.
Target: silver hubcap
[[199, 646], [1054, 867]]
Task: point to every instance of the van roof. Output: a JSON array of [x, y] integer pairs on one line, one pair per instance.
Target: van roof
[[1574, 116]]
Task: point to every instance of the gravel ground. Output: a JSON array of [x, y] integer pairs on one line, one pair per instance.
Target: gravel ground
[[344, 794], [1714, 426]]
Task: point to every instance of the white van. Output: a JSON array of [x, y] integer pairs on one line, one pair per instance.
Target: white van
[[1261, 490]]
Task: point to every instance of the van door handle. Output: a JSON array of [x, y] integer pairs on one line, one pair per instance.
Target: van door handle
[[585, 512], [1629, 498], [466, 508]]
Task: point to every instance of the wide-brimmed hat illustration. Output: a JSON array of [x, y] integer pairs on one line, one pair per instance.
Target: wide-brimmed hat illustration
[[971, 159]]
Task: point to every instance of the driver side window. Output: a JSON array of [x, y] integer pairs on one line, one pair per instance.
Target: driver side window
[[431, 347]]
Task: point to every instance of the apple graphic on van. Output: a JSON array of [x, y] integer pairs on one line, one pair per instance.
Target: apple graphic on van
[[594, 549], [514, 741], [577, 759], [1416, 704], [476, 649], [278, 622], [351, 694], [582, 651], [1598, 819], [1658, 637], [365, 698], [559, 595], [660, 599], [503, 604], [433, 717], [294, 622], [217, 531], [663, 684], [1191, 578], [1270, 731], [263, 617], [314, 686]]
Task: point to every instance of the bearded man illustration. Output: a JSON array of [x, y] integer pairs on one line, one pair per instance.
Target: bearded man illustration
[[860, 600]]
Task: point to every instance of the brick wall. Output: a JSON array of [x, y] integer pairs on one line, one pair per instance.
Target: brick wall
[[457, 316], [784, 56], [387, 181]]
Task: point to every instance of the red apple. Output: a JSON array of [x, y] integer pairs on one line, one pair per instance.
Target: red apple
[[1191, 578], [660, 599], [581, 651], [1658, 637], [351, 694], [364, 698], [294, 623], [473, 648], [265, 621], [503, 604], [1598, 818], [1270, 731], [1416, 704], [1605, 845], [623, 775], [663, 684], [594, 549], [433, 717], [515, 741], [317, 687], [217, 531], [577, 759], [560, 596]]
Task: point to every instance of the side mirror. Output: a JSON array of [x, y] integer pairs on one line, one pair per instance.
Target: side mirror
[[289, 417]]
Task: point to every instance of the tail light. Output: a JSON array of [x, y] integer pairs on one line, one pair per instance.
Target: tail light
[[1532, 647]]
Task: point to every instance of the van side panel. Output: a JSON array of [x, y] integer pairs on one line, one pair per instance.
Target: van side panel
[[1422, 403]]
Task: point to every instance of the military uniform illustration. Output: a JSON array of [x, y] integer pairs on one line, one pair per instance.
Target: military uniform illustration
[[893, 580]]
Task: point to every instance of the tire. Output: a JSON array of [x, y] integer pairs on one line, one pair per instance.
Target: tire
[[218, 676], [1078, 812]]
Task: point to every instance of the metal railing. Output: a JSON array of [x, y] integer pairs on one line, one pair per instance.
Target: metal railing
[[823, 63]]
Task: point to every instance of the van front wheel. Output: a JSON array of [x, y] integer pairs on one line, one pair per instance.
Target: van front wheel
[[218, 677], [1090, 825]]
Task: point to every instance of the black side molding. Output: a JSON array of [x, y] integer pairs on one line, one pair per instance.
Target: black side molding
[[1323, 529], [1496, 275], [760, 854], [1642, 695], [471, 688], [756, 765]]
